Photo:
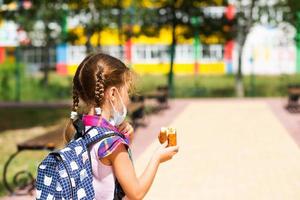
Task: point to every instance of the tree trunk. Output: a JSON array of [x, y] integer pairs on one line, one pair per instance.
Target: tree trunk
[[91, 30], [172, 56], [46, 64], [298, 42], [242, 35], [88, 44], [99, 41], [18, 76], [120, 27], [239, 86], [46, 56]]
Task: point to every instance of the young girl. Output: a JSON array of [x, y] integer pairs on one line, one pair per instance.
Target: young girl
[[102, 83]]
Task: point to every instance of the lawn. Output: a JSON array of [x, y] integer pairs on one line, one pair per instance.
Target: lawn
[[185, 86]]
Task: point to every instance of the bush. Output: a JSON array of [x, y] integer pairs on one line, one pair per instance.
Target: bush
[[31, 87], [8, 74]]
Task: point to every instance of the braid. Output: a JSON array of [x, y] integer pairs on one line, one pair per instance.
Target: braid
[[77, 87], [70, 128], [75, 99], [99, 88]]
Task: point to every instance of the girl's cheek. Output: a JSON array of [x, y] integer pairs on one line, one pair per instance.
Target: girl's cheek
[[125, 95], [126, 98], [126, 101]]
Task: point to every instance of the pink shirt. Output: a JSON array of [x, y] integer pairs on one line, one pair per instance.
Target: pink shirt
[[103, 176]]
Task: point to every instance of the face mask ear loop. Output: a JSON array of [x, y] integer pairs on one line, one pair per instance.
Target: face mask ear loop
[[123, 105], [112, 105], [114, 111]]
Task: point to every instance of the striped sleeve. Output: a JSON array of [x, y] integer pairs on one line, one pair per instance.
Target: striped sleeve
[[109, 145]]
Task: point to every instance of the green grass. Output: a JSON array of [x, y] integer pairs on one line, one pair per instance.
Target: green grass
[[59, 88], [186, 86], [30, 86], [220, 86]]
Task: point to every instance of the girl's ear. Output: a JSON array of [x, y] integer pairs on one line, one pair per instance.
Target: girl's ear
[[112, 93]]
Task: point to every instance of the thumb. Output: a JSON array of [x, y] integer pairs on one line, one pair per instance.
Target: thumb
[[174, 148], [165, 144]]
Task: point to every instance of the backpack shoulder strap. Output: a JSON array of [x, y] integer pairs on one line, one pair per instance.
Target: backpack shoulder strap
[[102, 133]]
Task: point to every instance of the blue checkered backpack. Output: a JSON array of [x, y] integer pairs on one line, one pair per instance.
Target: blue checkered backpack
[[67, 173]]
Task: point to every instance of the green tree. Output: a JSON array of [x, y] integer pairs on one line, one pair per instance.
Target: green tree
[[294, 18], [175, 13], [97, 15], [250, 12], [43, 21]]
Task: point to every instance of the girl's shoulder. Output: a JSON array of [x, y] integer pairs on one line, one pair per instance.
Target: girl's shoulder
[[108, 145]]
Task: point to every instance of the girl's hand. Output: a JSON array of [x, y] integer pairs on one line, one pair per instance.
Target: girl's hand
[[126, 129], [164, 153]]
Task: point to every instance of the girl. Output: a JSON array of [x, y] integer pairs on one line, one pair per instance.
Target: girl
[[102, 83]]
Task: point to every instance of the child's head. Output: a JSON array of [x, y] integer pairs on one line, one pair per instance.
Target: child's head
[[101, 81]]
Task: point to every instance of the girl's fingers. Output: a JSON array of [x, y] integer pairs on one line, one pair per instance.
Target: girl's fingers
[[126, 128], [122, 126], [165, 144], [131, 129], [173, 149]]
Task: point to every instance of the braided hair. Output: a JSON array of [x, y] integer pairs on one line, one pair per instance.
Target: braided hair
[[93, 76], [99, 89]]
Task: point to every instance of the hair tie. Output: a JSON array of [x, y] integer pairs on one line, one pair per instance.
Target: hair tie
[[98, 110], [74, 115]]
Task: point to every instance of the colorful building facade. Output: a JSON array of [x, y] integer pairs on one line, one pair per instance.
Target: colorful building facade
[[150, 55], [267, 51]]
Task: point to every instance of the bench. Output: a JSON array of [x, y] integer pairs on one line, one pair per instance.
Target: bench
[[136, 110], [48, 141], [293, 98], [161, 95]]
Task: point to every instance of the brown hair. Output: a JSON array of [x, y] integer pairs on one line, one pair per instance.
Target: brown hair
[[93, 76]]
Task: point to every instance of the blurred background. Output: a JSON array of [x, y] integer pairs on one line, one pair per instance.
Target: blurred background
[[179, 49]]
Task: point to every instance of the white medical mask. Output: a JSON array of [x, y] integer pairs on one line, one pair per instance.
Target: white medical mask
[[117, 117]]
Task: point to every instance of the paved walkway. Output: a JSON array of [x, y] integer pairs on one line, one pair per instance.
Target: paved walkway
[[229, 149]]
